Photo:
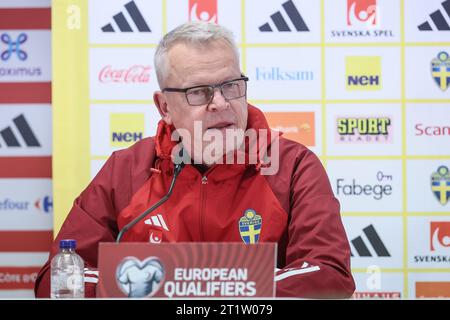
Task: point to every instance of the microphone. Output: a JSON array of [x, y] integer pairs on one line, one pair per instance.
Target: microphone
[[176, 173]]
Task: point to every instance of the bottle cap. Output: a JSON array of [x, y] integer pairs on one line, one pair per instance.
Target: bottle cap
[[67, 244]]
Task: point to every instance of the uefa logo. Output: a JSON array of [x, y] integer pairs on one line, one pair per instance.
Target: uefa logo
[[139, 279]]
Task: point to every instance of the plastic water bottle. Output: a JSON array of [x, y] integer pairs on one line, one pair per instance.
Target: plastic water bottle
[[67, 272]]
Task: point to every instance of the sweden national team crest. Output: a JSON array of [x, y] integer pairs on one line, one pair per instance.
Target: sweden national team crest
[[250, 226], [440, 70], [440, 184]]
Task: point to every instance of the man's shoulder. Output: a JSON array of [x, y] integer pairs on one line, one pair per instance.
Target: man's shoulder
[[292, 149], [141, 154]]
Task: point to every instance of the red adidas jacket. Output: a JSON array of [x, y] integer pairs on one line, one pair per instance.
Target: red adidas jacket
[[297, 208]]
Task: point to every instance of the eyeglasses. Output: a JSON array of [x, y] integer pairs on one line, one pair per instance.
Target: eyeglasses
[[203, 95]]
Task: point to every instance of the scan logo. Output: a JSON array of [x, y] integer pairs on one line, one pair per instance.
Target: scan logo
[[126, 128], [203, 10], [363, 73]]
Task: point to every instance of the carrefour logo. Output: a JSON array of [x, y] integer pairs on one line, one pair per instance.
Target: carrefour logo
[[126, 128], [363, 73]]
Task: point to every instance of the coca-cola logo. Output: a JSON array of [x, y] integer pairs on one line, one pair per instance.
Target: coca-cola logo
[[134, 74]]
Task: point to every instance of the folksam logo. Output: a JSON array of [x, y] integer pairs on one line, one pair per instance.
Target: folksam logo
[[14, 46], [280, 74]]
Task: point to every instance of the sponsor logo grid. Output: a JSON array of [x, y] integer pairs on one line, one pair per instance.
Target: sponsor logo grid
[[26, 200], [363, 83]]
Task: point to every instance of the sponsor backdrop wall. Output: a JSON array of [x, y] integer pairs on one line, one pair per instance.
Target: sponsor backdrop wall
[[26, 213], [363, 83]]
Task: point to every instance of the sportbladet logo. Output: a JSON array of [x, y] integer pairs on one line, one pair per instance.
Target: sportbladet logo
[[364, 130]]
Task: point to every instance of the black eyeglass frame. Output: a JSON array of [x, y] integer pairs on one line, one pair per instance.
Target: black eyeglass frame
[[213, 86]]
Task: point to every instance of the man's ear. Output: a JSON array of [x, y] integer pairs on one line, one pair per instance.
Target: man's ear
[[161, 104]]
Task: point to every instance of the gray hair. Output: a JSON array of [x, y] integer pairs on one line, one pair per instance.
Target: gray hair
[[191, 33]]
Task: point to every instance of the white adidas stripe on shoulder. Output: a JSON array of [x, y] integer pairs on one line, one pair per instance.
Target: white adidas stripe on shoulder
[[296, 271]]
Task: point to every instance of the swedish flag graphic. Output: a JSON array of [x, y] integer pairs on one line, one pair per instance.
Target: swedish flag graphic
[[250, 226], [440, 184], [440, 70]]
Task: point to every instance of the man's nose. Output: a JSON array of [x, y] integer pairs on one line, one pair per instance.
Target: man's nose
[[218, 102]]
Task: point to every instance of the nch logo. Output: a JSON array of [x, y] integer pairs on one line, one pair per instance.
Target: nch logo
[[375, 241], [21, 124], [282, 24], [363, 73], [126, 128], [122, 22]]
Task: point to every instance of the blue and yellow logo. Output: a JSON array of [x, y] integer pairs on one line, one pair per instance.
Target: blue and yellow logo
[[440, 70], [440, 184], [250, 226]]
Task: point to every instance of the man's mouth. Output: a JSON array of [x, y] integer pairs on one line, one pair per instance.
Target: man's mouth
[[221, 125]]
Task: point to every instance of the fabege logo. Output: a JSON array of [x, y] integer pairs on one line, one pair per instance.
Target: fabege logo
[[203, 10], [363, 130], [126, 128], [440, 70], [296, 126], [439, 235], [138, 279], [362, 12], [13, 47], [45, 204], [440, 184], [363, 73], [134, 74]]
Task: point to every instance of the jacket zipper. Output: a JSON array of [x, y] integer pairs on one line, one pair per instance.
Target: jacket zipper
[[202, 204]]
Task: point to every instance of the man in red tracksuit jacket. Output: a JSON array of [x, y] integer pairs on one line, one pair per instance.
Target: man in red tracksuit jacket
[[198, 70]]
